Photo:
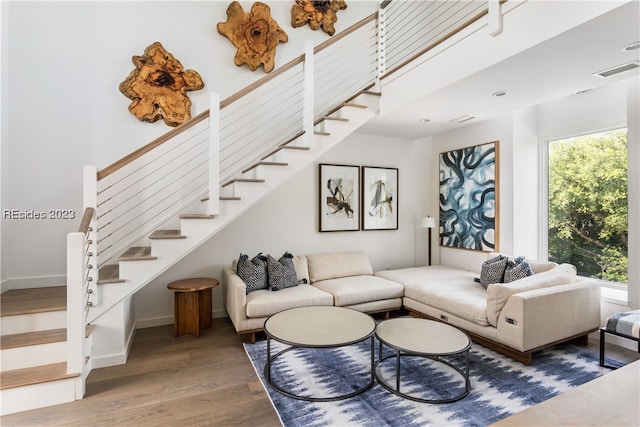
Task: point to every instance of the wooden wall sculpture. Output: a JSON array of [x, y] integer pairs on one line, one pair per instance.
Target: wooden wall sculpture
[[319, 14], [254, 34], [157, 87]]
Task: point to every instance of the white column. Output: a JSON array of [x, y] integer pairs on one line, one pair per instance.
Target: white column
[[75, 303], [495, 17], [214, 154], [309, 107]]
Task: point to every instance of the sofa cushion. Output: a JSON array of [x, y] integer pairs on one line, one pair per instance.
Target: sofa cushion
[[536, 266], [492, 270], [264, 303], [517, 268], [499, 293], [359, 289], [448, 289], [337, 264], [253, 272], [281, 272]]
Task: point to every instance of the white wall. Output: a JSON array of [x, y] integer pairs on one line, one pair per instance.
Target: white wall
[[287, 220], [520, 135], [62, 63], [498, 129]]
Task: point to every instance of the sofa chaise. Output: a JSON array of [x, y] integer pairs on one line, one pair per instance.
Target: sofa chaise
[[551, 306]]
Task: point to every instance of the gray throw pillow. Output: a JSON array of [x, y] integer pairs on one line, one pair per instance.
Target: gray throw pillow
[[282, 273], [493, 270], [253, 272], [518, 268]]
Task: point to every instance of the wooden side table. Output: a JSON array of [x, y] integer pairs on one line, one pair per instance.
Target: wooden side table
[[192, 306]]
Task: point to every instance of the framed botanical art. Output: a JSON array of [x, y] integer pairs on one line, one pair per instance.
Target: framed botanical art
[[379, 198], [469, 197], [339, 198]]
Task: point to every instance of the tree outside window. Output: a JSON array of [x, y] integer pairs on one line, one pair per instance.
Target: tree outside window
[[588, 210]]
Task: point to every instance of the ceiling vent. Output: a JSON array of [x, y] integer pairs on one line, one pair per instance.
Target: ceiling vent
[[617, 70], [461, 119]]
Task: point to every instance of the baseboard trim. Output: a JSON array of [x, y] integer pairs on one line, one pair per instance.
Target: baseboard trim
[[152, 322], [33, 282]]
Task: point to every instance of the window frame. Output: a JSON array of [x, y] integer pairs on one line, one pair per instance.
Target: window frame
[[544, 189]]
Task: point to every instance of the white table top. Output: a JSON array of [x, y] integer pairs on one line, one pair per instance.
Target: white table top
[[320, 326], [422, 336]]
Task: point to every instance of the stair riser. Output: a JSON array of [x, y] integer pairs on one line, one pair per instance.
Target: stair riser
[[33, 322], [37, 396], [267, 172], [34, 355]]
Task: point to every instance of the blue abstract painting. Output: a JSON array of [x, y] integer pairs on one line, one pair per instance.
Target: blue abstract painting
[[468, 198]]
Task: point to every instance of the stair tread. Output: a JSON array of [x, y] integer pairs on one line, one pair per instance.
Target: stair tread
[[338, 119], [294, 147], [230, 198], [255, 180], [109, 274], [368, 92], [196, 216], [33, 300], [33, 338], [137, 253], [321, 133], [353, 105], [34, 375], [167, 234]]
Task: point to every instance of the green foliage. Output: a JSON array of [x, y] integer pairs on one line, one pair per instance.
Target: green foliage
[[588, 211]]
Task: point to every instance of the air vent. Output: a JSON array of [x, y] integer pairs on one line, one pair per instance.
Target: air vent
[[461, 119], [617, 70]]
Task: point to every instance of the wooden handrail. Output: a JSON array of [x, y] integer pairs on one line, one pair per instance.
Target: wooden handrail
[[261, 82], [150, 146], [345, 33], [86, 220]]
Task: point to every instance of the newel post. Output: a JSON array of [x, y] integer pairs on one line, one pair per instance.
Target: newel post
[[75, 302], [90, 253], [495, 17], [309, 101], [214, 154]]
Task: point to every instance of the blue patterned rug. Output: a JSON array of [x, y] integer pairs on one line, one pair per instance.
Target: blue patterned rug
[[499, 386]]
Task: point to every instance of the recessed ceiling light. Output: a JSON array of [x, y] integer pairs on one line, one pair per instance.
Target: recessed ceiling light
[[499, 93], [425, 120], [632, 46]]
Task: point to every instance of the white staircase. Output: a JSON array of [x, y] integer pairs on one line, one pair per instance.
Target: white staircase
[[237, 195], [33, 351]]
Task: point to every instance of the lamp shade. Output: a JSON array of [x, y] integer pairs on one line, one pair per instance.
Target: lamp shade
[[428, 222]]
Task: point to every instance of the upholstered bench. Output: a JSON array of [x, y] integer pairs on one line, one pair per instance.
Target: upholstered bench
[[625, 325]]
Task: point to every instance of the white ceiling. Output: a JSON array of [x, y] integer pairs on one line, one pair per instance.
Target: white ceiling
[[547, 71]]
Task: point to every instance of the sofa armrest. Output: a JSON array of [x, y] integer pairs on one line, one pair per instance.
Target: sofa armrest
[[235, 298], [540, 317]]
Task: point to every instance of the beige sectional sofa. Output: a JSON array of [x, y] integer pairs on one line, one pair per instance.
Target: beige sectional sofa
[[339, 278], [551, 306]]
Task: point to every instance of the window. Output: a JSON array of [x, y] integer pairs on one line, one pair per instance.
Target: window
[[587, 205]]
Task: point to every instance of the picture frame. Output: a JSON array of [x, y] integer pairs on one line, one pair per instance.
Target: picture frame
[[469, 184], [339, 197], [379, 198]]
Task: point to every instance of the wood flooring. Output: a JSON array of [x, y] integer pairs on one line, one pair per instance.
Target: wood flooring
[[179, 381], [168, 381]]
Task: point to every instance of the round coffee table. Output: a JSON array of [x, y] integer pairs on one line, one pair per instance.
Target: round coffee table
[[413, 337], [318, 327]]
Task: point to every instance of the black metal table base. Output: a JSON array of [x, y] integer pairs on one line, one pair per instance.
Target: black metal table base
[[398, 355], [267, 375]]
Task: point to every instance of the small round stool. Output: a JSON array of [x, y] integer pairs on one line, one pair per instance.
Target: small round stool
[[192, 306]]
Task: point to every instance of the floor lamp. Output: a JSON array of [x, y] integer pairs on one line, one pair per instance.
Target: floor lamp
[[429, 223]]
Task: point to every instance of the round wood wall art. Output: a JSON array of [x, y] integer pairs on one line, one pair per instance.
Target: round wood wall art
[[318, 14], [254, 34], [158, 85]]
